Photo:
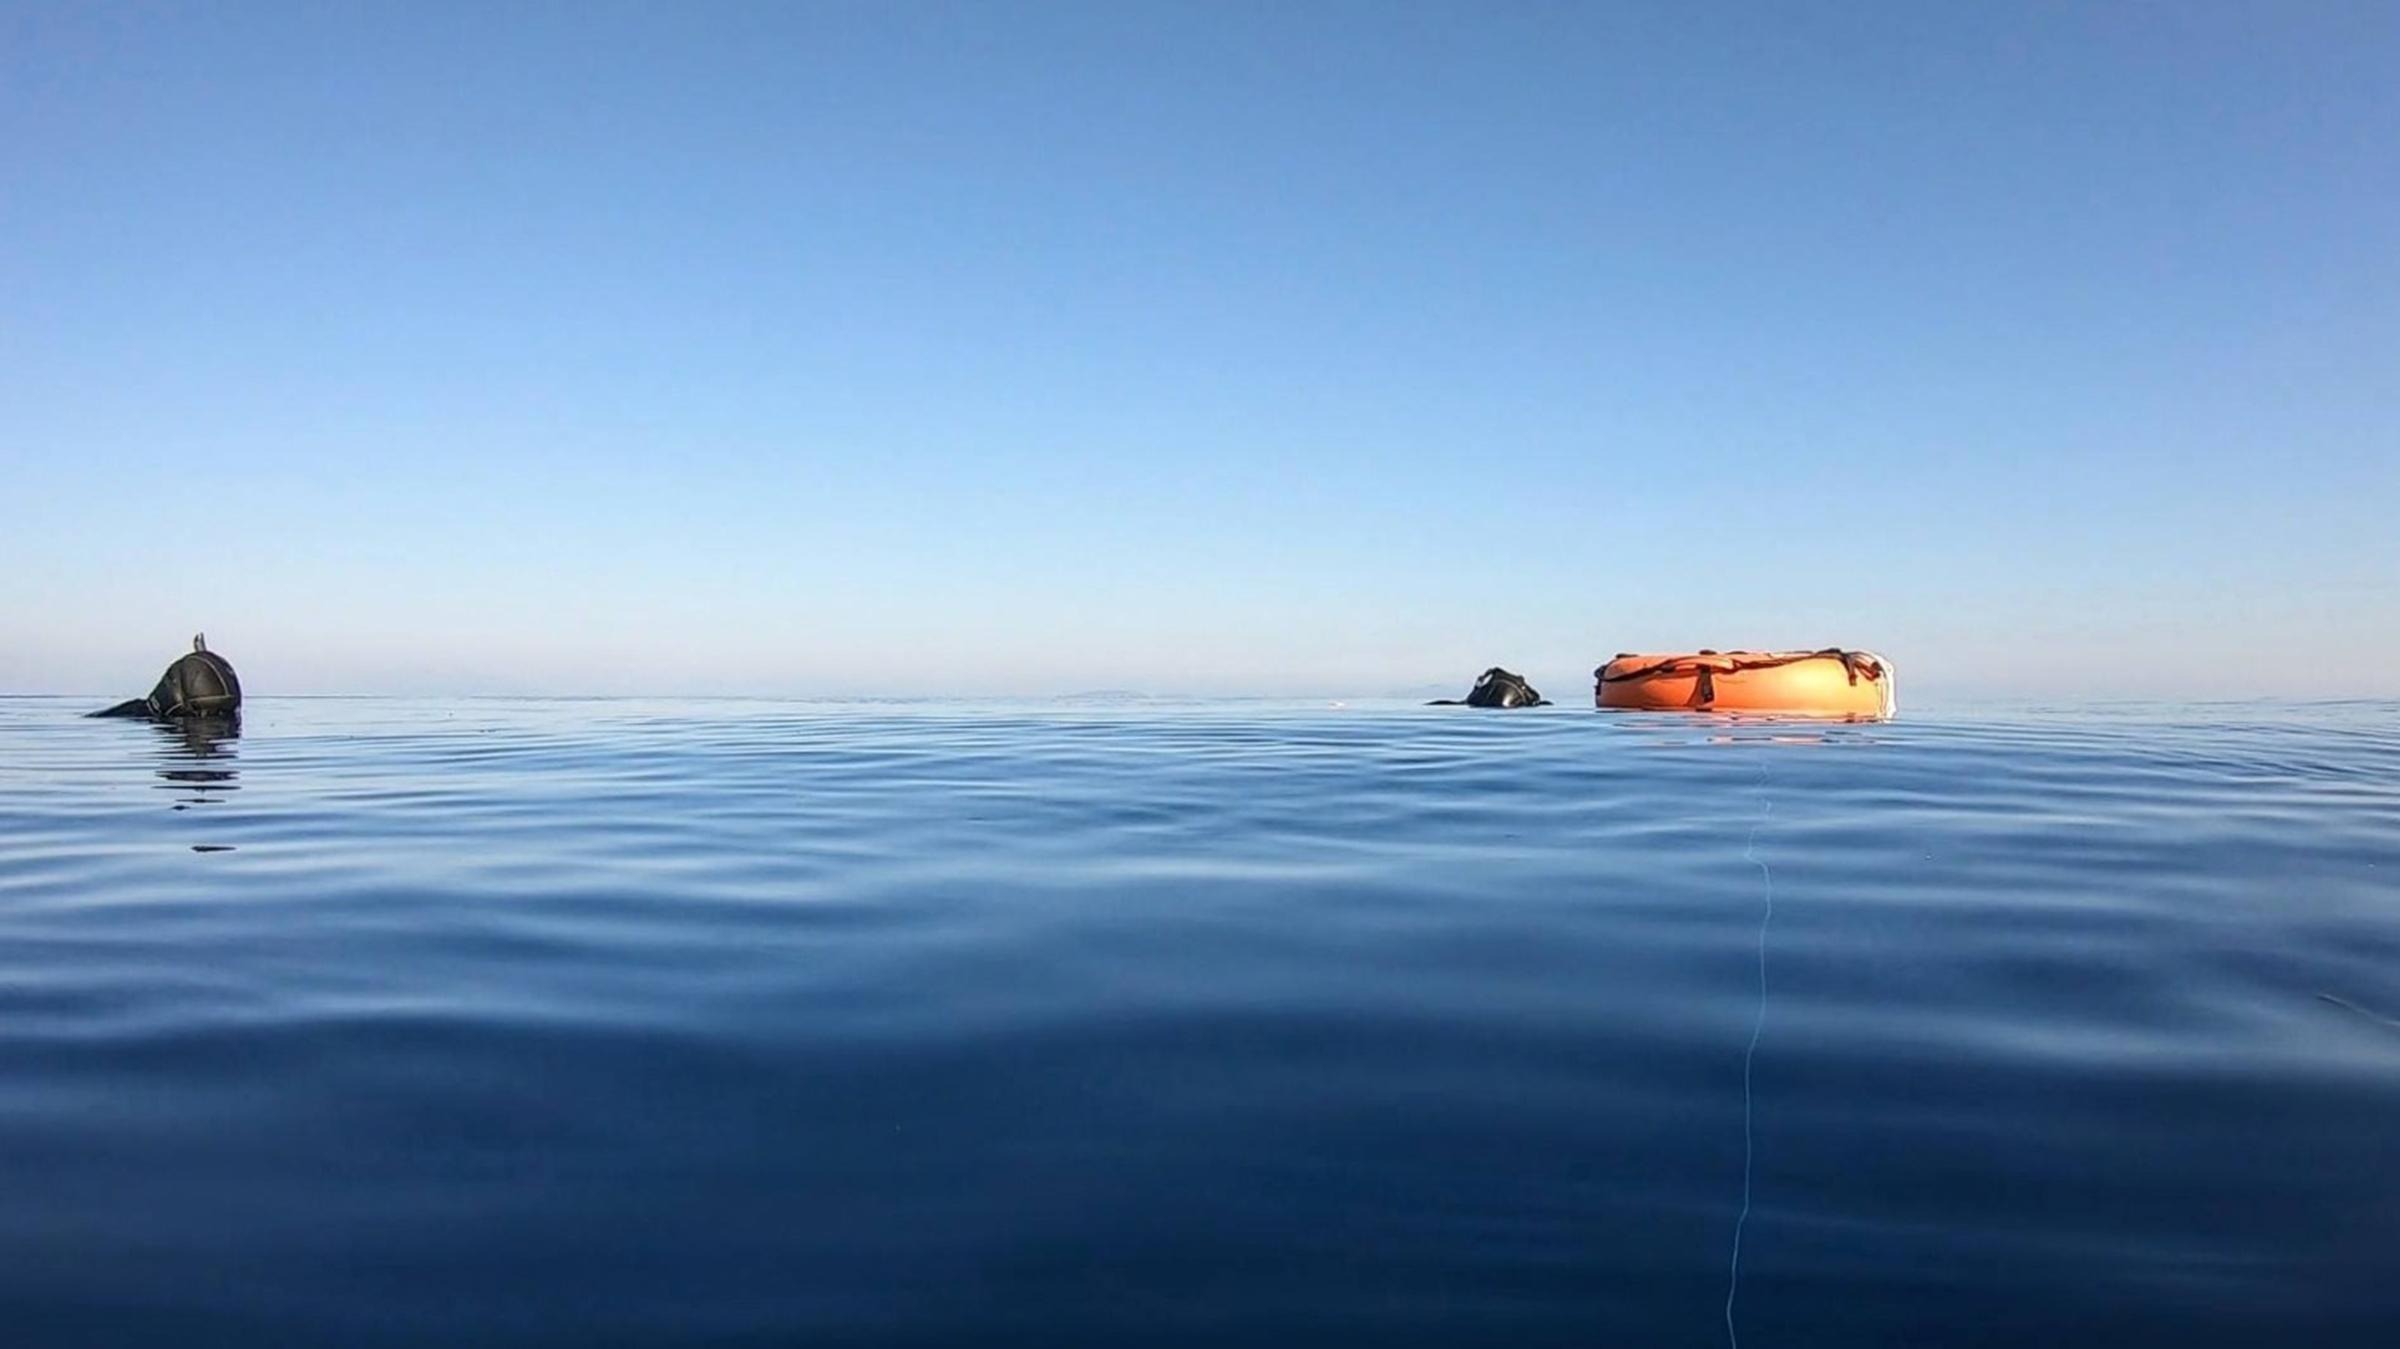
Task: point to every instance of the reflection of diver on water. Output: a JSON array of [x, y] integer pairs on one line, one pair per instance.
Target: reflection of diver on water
[[202, 737], [199, 752]]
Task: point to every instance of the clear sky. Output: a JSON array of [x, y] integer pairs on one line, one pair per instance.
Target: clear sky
[[1273, 348]]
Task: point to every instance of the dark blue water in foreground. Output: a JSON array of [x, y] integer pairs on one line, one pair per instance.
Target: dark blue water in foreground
[[574, 1023]]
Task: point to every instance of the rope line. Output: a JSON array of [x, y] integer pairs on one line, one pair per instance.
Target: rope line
[[1758, 1026]]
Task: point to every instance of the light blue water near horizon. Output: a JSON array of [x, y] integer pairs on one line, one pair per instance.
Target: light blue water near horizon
[[524, 1022]]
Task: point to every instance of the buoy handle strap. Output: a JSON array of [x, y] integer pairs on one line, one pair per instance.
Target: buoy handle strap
[[1707, 663]]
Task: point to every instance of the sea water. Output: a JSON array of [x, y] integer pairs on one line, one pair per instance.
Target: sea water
[[578, 1023]]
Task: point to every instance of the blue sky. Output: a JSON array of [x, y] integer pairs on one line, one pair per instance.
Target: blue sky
[[1263, 348]]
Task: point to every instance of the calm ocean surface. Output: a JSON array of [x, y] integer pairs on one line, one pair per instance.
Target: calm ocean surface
[[577, 1023]]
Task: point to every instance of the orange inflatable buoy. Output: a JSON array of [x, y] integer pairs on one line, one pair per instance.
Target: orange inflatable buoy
[[1832, 682]]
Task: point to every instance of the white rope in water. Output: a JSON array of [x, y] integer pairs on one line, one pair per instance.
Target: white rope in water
[[1758, 1026]]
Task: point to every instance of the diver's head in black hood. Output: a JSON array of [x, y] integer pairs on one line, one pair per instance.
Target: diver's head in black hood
[[201, 684], [1498, 688]]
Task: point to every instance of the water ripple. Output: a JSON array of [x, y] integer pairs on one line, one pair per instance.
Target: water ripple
[[562, 1022]]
